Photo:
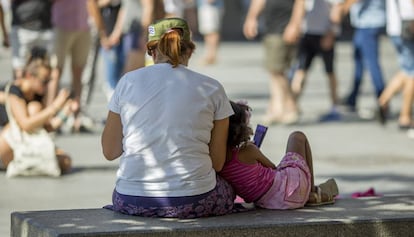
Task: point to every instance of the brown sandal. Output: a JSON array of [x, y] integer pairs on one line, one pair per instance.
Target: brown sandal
[[325, 194]]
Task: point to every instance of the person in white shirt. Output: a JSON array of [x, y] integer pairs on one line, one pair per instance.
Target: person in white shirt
[[168, 125]]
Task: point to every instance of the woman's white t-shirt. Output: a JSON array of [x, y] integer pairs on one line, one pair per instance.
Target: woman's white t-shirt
[[167, 116]]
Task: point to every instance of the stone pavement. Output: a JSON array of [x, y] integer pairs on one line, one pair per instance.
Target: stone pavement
[[357, 152]]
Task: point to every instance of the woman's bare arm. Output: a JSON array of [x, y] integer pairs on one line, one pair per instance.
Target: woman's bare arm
[[112, 136], [218, 143]]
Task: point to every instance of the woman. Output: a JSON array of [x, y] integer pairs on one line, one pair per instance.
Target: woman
[[403, 80], [25, 96], [169, 127]]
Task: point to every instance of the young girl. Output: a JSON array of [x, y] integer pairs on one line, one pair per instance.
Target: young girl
[[256, 179]]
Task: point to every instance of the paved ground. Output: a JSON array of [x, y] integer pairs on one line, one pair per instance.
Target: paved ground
[[357, 151]]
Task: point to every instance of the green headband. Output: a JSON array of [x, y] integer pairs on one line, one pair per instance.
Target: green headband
[[157, 29]]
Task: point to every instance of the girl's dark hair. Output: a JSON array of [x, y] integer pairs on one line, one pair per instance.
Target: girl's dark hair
[[239, 129]]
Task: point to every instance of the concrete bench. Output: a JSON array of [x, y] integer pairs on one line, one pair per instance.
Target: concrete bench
[[379, 216]]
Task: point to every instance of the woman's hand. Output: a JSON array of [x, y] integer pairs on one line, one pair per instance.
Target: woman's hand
[[292, 33], [60, 99]]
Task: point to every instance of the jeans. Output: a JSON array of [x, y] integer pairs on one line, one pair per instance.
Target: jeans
[[366, 55], [114, 61]]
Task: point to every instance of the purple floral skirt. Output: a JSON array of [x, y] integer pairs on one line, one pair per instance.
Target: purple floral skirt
[[219, 201]]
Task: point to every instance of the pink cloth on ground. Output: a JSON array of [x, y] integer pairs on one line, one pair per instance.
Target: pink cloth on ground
[[291, 186]]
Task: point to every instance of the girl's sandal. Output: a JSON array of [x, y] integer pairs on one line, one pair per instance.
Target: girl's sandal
[[330, 187], [319, 198], [325, 194]]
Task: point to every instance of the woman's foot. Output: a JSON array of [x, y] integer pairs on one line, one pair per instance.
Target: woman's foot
[[405, 124], [208, 61], [290, 118]]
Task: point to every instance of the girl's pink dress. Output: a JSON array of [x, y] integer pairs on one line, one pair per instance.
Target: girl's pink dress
[[286, 187]]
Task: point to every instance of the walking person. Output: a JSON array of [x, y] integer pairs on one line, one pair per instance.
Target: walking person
[[210, 14], [169, 150], [403, 80], [4, 30], [368, 19], [321, 26], [31, 26], [72, 38], [282, 21], [122, 37]]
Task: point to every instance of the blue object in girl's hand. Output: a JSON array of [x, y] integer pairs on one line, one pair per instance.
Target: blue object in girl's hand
[[259, 135]]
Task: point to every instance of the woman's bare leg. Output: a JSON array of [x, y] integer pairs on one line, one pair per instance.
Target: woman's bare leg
[[394, 86], [407, 102]]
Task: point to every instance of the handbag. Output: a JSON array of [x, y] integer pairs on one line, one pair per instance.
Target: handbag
[[407, 30], [407, 26], [33, 153]]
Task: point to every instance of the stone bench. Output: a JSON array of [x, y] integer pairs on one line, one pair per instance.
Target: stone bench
[[378, 216]]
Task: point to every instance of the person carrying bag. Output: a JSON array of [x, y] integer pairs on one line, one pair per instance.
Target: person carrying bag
[[33, 153], [26, 148]]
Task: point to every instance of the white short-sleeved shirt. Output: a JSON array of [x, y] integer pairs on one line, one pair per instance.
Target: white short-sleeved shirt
[[167, 115]]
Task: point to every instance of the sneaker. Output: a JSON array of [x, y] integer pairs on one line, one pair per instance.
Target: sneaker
[[382, 114], [332, 116], [351, 107]]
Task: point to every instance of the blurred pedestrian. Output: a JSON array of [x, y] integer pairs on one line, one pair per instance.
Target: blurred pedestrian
[[210, 14], [397, 12], [131, 25], [368, 19], [282, 20], [174, 8], [321, 26], [121, 26], [28, 112], [104, 15], [4, 29], [31, 26], [72, 38]]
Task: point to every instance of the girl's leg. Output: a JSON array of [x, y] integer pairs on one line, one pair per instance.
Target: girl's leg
[[298, 143]]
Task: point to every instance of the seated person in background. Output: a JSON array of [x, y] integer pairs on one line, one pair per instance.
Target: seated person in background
[[256, 179], [25, 98]]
